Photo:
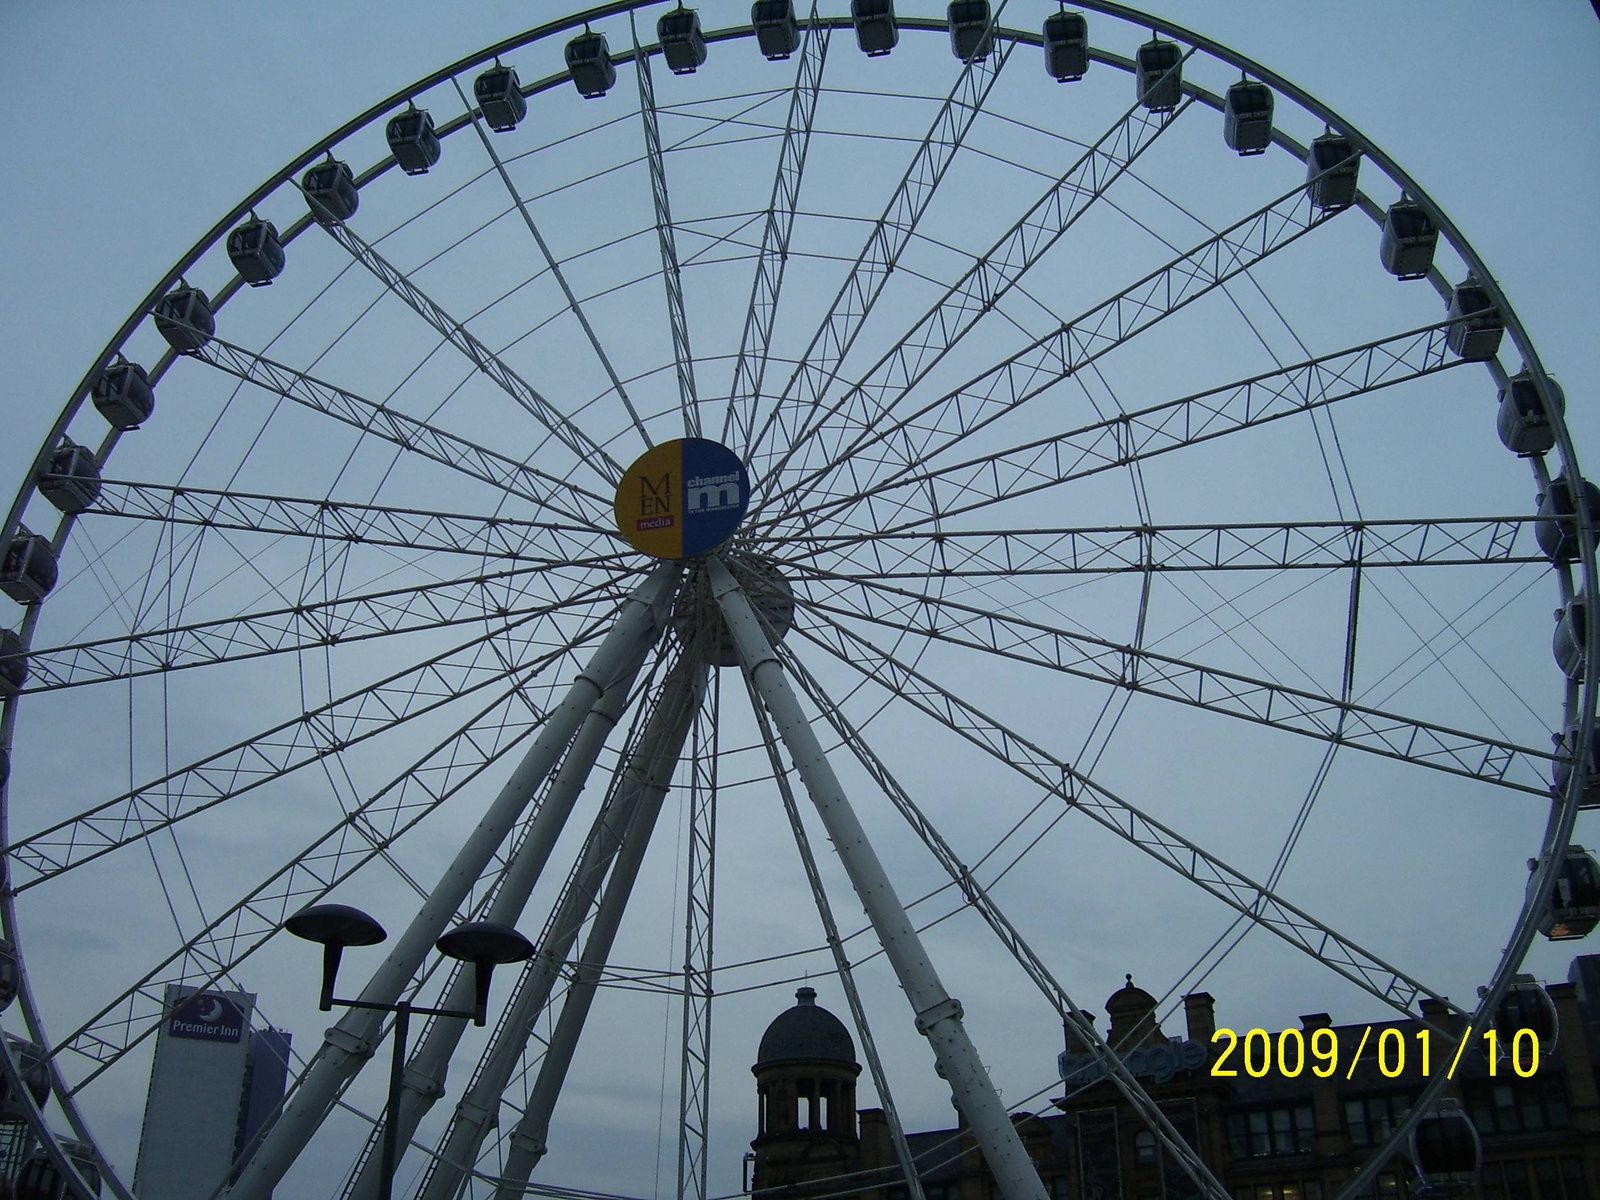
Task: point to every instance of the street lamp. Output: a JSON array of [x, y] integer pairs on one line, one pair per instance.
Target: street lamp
[[482, 943]]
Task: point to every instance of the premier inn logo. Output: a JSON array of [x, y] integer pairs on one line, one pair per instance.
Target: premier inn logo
[[208, 1017]]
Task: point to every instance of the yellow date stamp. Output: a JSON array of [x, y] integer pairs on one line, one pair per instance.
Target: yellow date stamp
[[1291, 1052]]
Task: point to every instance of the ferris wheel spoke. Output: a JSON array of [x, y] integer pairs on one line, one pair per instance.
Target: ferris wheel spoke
[[1242, 546], [350, 618], [481, 356], [1009, 937], [879, 256], [1228, 693], [618, 841], [551, 264], [1133, 437], [910, 358], [338, 521], [920, 435], [388, 814], [755, 343], [307, 738], [419, 437], [671, 273], [1057, 777]]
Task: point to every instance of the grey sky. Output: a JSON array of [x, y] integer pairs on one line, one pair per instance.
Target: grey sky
[[135, 127]]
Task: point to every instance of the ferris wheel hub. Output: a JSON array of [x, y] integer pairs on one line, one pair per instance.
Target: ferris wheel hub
[[682, 498]]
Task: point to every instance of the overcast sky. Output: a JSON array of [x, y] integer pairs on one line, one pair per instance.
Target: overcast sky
[[134, 128]]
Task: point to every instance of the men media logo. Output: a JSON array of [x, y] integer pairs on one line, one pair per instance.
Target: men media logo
[[682, 498]]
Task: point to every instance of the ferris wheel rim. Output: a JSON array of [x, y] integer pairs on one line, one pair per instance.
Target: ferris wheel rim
[[1563, 815]]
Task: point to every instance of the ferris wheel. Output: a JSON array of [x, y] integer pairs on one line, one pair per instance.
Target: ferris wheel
[[678, 478]]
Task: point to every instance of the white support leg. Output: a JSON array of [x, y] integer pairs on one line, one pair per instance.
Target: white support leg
[[423, 1082], [938, 1015], [350, 1043]]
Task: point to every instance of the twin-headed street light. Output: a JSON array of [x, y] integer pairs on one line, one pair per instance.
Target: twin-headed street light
[[484, 944]]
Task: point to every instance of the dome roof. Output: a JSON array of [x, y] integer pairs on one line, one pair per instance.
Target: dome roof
[[1129, 999], [806, 1031]]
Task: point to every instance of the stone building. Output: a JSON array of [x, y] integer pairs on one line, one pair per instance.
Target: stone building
[[1297, 1133]]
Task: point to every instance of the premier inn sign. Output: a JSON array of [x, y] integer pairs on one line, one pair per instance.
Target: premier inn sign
[[1159, 1063], [207, 1017]]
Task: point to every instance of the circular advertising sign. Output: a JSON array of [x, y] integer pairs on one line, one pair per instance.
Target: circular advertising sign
[[682, 498]]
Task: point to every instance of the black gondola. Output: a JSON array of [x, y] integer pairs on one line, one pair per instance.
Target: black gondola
[[10, 974], [777, 31], [41, 1179], [1572, 628], [682, 43], [876, 30], [1574, 907], [124, 396], [1247, 117], [1557, 528], [970, 36], [1159, 71], [256, 252], [589, 63], [1567, 757], [1066, 46], [1409, 236], [500, 99], [184, 318], [35, 1074], [1445, 1151], [1475, 322], [330, 190], [412, 141], [72, 481], [13, 664], [29, 570], [1523, 423], [1331, 169], [1525, 1005]]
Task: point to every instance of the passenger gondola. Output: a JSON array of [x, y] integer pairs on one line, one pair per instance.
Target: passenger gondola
[[1524, 426], [1159, 71], [29, 570], [1574, 906], [682, 43], [72, 478], [500, 99], [13, 665], [412, 141], [124, 396], [1332, 165], [1066, 46], [589, 63], [1475, 322], [777, 31], [876, 31], [183, 317], [1445, 1151], [970, 36], [1572, 631], [1409, 237], [1557, 528], [256, 252], [330, 190], [1247, 117]]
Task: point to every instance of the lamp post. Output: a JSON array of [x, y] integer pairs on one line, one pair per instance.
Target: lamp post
[[482, 943]]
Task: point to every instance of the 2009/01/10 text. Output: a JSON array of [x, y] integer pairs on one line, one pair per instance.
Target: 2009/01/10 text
[[1294, 1052]]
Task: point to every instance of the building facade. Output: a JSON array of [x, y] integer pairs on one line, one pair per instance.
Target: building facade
[[1275, 1115]]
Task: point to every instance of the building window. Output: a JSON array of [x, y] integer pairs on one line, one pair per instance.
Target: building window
[[1527, 1106], [1384, 1186], [1552, 1179], [1370, 1119], [1266, 1132], [1144, 1148]]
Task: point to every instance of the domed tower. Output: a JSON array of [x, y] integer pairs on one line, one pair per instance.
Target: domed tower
[[806, 1087], [1133, 1018]]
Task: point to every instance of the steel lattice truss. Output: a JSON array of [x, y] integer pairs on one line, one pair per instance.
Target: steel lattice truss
[[364, 595]]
